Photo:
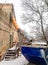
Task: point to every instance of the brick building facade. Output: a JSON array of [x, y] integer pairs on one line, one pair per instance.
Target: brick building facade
[[8, 33]]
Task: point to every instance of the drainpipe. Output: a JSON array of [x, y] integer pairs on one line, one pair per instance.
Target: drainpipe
[[22, 32]]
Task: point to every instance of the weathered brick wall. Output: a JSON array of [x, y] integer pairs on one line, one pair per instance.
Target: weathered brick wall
[[8, 33]]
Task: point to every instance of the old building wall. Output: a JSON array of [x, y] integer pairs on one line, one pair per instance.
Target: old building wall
[[8, 33]]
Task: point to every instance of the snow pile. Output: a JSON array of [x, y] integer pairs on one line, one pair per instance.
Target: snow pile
[[18, 61], [39, 42], [13, 48]]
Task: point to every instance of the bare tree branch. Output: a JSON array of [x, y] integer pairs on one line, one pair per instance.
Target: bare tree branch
[[37, 7]]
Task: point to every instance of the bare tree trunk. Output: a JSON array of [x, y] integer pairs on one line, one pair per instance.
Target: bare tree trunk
[[43, 30]]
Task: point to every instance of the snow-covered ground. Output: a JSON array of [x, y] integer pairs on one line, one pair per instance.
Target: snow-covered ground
[[13, 48], [18, 61]]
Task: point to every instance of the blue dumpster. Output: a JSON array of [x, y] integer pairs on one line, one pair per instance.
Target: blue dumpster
[[34, 55]]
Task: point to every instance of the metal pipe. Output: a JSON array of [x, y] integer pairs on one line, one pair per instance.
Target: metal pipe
[[21, 31]]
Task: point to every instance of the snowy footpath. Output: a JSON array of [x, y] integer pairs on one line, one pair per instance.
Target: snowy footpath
[[18, 61]]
